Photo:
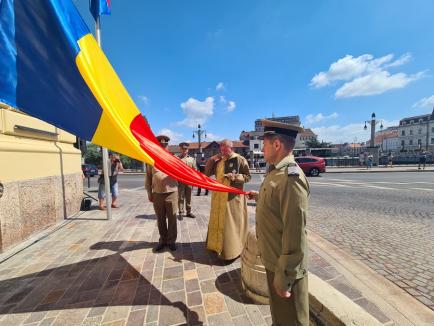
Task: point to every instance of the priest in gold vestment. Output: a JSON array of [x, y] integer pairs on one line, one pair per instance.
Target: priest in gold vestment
[[228, 224]]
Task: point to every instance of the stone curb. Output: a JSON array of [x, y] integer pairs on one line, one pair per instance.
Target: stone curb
[[331, 307]]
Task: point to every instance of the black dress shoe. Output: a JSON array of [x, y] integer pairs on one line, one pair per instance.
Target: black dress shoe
[[159, 247], [191, 215], [172, 246]]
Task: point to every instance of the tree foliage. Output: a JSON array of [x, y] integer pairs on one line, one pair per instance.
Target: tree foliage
[[93, 156], [314, 143]]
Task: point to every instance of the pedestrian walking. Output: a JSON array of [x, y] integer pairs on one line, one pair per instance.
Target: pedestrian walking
[[184, 190], [390, 159], [422, 159], [370, 161], [163, 193], [115, 166], [281, 212]]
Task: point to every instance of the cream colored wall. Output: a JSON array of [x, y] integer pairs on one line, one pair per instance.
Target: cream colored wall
[[28, 155]]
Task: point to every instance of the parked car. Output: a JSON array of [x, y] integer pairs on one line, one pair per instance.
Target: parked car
[[311, 165], [89, 170]]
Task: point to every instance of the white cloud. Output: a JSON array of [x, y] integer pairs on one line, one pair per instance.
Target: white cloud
[[231, 106], [175, 137], [426, 102], [347, 134], [376, 83], [197, 112], [401, 61], [310, 118], [144, 99], [220, 87], [365, 75], [222, 99]]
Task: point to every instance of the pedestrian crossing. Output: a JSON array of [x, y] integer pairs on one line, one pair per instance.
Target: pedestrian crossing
[[381, 185]]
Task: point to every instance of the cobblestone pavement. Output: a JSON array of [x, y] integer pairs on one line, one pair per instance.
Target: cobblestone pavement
[[97, 272], [387, 224]]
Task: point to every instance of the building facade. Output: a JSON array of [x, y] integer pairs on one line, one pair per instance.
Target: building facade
[[40, 174], [416, 133], [388, 140]]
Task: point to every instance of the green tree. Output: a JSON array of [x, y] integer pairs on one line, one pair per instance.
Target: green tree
[[93, 154], [313, 143]]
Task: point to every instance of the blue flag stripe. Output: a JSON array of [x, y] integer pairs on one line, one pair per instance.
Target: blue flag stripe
[[49, 85], [8, 72]]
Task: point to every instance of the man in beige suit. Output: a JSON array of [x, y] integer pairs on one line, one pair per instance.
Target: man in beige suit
[[163, 193]]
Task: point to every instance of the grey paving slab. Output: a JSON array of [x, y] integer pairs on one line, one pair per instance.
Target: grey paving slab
[[97, 272]]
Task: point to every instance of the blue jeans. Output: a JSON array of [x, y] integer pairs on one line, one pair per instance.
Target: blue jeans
[[113, 189]]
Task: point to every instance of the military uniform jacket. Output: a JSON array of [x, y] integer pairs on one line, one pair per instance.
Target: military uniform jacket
[[281, 213], [159, 182], [190, 161]]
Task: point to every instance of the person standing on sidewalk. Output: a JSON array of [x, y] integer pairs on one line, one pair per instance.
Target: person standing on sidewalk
[[281, 211], [370, 161], [228, 225], [422, 160], [163, 193], [184, 190], [115, 166], [390, 159]]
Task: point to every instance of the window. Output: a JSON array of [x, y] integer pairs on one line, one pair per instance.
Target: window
[[411, 132], [410, 142], [402, 142], [411, 122], [420, 120], [419, 131], [419, 141], [432, 129], [432, 140], [255, 146], [403, 133]]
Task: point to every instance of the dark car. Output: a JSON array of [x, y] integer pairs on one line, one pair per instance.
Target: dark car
[[89, 170], [311, 165]]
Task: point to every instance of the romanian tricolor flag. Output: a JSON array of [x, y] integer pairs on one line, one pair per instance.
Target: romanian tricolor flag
[[52, 68]]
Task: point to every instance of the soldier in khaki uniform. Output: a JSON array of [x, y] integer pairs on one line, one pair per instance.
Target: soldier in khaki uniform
[[163, 193], [184, 190], [281, 212]]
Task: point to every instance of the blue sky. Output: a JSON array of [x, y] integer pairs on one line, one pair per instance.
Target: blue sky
[[226, 63]]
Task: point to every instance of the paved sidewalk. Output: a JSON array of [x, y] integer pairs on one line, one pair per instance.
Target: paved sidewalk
[[97, 272]]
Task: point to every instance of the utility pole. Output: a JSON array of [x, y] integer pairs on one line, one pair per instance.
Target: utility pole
[[105, 167]]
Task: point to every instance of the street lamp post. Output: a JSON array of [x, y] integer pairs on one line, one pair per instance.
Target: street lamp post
[[199, 133], [373, 122]]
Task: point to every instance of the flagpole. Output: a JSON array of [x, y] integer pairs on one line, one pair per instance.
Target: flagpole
[[108, 198]]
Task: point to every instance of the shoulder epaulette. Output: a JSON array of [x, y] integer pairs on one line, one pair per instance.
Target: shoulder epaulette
[[293, 170]]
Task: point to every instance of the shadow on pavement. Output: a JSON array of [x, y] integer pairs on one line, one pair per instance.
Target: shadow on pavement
[[99, 282], [229, 284], [147, 217], [191, 251]]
